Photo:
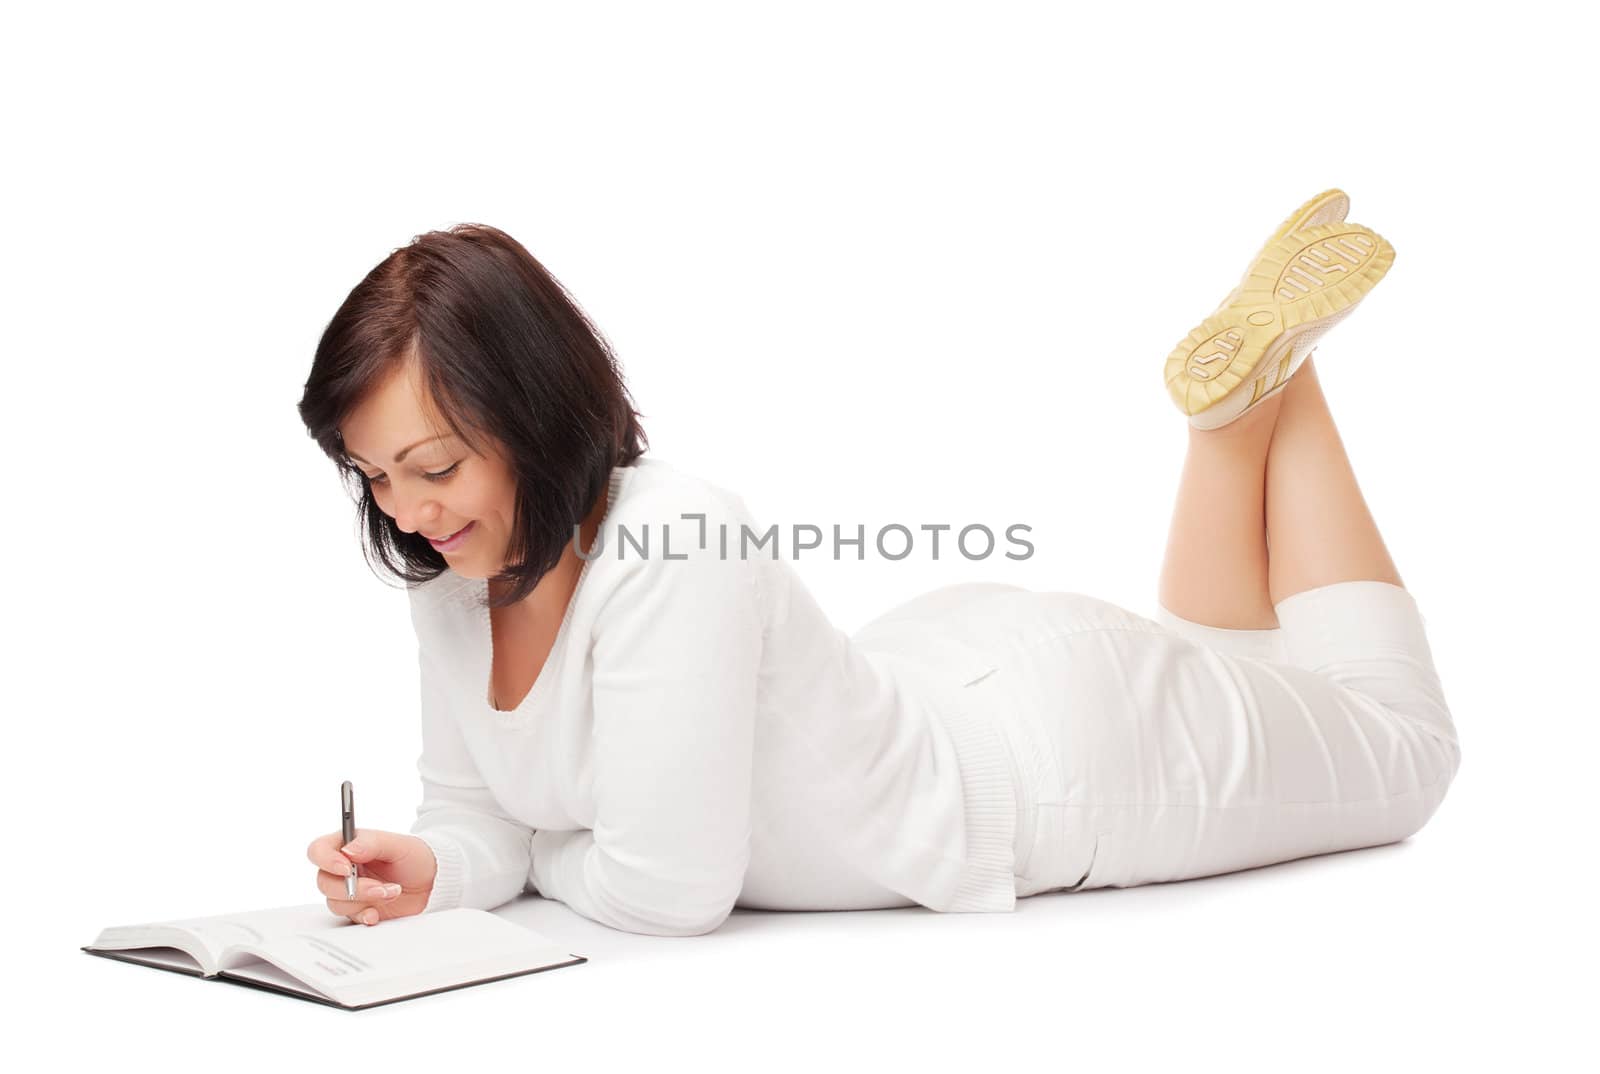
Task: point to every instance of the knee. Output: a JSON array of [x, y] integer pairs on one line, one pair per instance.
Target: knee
[[1439, 761]]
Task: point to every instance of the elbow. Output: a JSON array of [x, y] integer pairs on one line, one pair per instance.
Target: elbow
[[693, 927], [708, 923], [684, 919]]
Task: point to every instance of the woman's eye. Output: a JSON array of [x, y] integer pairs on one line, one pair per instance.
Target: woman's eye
[[431, 475]]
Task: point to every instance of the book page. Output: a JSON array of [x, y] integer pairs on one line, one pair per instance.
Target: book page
[[211, 936], [167, 958], [358, 964], [267, 973]]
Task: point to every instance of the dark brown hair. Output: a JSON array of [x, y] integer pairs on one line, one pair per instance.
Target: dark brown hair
[[505, 353]]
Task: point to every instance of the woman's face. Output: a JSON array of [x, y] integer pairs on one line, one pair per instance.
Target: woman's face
[[428, 480]]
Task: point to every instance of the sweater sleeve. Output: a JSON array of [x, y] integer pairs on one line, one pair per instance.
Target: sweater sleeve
[[676, 650], [481, 852]]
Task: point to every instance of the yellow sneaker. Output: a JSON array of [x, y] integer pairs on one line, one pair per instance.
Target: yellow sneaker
[[1329, 207], [1307, 278]]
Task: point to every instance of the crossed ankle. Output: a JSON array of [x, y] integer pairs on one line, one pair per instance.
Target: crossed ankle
[[1255, 423]]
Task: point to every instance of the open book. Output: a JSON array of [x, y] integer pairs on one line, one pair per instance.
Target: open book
[[310, 952]]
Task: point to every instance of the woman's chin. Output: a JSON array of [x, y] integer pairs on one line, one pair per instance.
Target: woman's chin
[[470, 567]]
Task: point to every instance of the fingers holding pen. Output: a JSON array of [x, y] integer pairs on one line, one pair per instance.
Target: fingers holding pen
[[333, 870], [325, 852], [372, 896], [394, 874], [369, 890]]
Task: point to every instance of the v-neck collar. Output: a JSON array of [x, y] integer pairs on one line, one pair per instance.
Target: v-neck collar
[[477, 591]]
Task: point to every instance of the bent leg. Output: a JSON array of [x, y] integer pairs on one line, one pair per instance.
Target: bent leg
[[1215, 568], [1214, 580], [1320, 528]]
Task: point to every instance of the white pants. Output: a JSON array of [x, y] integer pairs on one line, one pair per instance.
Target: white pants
[[1152, 751]]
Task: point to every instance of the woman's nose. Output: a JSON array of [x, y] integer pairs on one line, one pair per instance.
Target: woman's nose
[[414, 511]]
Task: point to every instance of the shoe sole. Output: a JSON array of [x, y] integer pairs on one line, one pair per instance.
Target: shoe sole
[[1301, 283], [1329, 207]]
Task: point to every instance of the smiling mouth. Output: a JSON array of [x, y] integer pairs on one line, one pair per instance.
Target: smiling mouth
[[454, 540]]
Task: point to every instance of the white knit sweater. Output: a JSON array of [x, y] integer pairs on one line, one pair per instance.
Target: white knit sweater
[[701, 736]]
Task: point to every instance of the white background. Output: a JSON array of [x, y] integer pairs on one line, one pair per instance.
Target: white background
[[861, 263]]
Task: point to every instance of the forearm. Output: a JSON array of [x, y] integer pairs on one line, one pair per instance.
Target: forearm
[[482, 858], [570, 868]]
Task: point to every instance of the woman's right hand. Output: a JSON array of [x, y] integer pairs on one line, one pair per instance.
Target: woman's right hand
[[397, 873]]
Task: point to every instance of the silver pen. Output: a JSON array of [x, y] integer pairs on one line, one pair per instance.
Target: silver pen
[[347, 820]]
